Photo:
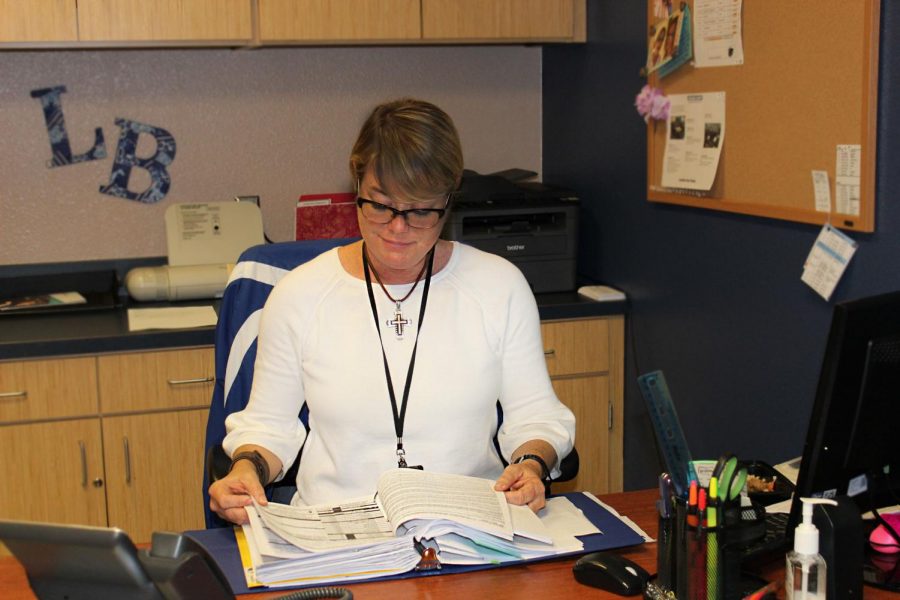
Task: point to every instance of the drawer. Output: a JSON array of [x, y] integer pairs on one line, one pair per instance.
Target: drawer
[[156, 380], [576, 346], [43, 389]]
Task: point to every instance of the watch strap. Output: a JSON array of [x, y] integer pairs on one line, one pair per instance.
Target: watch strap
[[259, 463], [545, 470]]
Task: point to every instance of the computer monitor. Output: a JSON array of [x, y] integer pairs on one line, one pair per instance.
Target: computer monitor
[[851, 445]]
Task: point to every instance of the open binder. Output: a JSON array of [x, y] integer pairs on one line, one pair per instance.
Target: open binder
[[616, 532]]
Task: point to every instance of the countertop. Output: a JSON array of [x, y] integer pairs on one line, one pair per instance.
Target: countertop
[[106, 330]]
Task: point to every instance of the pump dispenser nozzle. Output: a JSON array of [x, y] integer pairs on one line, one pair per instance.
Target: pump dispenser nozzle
[[806, 536]]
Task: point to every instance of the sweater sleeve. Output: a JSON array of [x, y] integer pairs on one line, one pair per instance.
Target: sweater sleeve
[[271, 417], [531, 409]]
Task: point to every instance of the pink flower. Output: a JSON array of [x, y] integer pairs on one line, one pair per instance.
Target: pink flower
[[652, 104]]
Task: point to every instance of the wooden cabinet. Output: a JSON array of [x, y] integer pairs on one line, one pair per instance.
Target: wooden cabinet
[[38, 21], [125, 23], [324, 21], [154, 407], [110, 440], [89, 23], [154, 466], [44, 389], [53, 471], [164, 20], [156, 380], [585, 359], [503, 20]]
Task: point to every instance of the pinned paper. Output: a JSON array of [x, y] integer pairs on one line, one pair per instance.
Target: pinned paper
[[718, 39], [694, 136], [822, 191], [828, 260], [846, 184]]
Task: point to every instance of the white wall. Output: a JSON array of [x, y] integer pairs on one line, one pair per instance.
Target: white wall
[[271, 122]]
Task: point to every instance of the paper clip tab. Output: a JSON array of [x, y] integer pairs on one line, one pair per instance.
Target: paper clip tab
[[429, 560]]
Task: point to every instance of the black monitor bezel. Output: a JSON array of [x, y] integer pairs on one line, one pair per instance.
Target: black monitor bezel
[[854, 325]]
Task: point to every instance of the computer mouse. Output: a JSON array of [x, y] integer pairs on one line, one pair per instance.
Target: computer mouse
[[881, 539], [611, 572]]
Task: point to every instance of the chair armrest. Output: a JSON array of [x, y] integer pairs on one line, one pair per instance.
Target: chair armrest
[[568, 466], [218, 463]]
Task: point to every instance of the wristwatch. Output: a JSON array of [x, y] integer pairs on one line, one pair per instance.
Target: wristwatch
[[545, 470]]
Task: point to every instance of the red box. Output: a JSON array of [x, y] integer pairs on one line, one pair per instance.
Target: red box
[[322, 216]]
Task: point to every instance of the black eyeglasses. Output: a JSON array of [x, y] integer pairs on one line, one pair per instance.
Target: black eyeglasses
[[419, 218]]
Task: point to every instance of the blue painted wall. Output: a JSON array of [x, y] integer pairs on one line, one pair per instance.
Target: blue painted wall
[[716, 299]]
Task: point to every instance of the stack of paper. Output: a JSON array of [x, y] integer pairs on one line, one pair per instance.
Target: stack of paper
[[462, 518]]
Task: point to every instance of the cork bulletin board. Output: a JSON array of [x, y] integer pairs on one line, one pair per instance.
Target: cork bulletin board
[[808, 83]]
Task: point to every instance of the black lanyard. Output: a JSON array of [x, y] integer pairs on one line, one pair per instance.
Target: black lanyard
[[399, 416]]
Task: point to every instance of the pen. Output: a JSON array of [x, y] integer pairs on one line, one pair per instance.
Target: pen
[[692, 504], [764, 591], [665, 495], [712, 541], [699, 555], [701, 509]]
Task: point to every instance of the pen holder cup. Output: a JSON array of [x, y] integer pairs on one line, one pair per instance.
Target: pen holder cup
[[741, 528], [699, 563]]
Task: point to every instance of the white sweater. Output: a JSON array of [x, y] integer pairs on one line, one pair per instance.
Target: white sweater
[[480, 342]]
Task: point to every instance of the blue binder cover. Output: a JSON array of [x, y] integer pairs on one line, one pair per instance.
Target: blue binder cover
[[221, 544]]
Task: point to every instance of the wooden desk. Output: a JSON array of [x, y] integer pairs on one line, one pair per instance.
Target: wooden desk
[[547, 580]]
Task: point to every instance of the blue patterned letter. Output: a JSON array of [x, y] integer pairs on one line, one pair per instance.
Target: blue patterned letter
[[155, 165], [56, 129]]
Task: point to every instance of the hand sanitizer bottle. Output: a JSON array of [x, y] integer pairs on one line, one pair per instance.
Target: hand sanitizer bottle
[[805, 569]]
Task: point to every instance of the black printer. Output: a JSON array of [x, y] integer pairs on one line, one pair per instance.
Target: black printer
[[533, 225]]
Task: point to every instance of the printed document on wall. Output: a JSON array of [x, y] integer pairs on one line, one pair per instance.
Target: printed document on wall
[[694, 137], [718, 39], [828, 260]]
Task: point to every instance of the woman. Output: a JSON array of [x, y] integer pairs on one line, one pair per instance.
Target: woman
[[401, 345]]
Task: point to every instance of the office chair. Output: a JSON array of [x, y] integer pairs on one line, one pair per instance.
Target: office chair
[[256, 272]]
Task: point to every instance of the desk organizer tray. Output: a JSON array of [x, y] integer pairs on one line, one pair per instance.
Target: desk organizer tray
[[782, 489], [33, 294]]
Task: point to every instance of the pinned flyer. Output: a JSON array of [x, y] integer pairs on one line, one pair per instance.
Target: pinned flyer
[[846, 184], [822, 191], [828, 260]]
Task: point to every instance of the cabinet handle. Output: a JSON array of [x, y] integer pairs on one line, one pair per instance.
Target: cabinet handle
[[84, 473], [190, 381], [550, 352], [609, 415], [22, 394], [127, 460]]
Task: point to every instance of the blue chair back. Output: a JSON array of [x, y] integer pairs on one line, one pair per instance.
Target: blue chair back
[[256, 272]]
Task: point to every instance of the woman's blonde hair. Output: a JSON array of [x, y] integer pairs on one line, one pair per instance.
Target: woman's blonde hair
[[412, 147]]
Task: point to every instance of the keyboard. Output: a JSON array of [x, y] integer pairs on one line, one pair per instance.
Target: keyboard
[[773, 542]]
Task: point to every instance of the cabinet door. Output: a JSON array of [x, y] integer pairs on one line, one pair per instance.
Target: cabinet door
[[154, 471], [53, 472], [164, 20], [38, 21], [588, 397], [500, 20], [338, 20], [156, 380], [577, 346], [31, 390]]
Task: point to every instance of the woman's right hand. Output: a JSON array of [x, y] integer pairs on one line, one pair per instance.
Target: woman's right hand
[[228, 496]]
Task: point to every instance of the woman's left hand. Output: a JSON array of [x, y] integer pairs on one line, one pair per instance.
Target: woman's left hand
[[522, 484]]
